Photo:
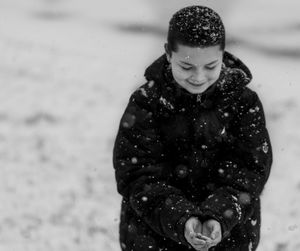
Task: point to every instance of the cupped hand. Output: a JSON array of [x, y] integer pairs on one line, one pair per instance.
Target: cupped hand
[[212, 230], [192, 233]]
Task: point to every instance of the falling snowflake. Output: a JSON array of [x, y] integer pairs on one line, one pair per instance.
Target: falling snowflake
[[168, 202], [144, 198], [181, 171], [128, 120], [228, 213], [244, 198], [134, 160], [221, 171], [150, 83]]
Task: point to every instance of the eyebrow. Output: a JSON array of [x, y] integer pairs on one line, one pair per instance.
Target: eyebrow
[[211, 63]]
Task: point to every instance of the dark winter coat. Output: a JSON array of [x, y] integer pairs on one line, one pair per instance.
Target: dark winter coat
[[179, 155]]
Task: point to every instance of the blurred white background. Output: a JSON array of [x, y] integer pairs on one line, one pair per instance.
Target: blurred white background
[[67, 68]]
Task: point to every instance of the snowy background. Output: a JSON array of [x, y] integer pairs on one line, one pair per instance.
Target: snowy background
[[67, 68]]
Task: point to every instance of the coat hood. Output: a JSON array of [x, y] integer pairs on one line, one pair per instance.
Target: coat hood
[[234, 77]]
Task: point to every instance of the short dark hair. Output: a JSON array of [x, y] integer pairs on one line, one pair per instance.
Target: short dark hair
[[196, 26]]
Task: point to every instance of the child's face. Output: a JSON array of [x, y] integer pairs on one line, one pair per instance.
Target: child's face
[[196, 69]]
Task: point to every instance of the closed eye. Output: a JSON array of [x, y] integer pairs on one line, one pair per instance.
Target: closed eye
[[185, 68], [210, 67]]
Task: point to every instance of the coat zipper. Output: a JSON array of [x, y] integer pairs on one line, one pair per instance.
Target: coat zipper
[[199, 97]]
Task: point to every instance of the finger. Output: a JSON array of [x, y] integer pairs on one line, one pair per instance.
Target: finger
[[189, 225], [203, 237], [205, 231], [188, 237], [216, 235], [208, 240], [216, 231], [191, 237], [216, 241], [199, 242], [192, 234], [198, 227], [200, 248]]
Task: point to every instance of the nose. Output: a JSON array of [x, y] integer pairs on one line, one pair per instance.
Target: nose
[[198, 76]]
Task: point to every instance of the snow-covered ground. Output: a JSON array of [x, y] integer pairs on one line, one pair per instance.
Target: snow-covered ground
[[67, 68]]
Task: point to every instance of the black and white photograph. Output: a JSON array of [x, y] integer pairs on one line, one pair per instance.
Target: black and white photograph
[[149, 125]]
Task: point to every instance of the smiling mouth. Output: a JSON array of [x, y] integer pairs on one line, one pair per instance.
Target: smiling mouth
[[196, 85]]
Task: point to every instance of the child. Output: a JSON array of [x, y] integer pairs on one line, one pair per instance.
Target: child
[[192, 154]]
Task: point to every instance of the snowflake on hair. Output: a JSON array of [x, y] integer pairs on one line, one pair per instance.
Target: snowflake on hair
[[198, 25]]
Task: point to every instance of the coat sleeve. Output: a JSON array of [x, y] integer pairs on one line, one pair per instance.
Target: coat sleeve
[[142, 174], [243, 168]]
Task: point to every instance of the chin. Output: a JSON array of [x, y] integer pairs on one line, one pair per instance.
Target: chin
[[196, 91]]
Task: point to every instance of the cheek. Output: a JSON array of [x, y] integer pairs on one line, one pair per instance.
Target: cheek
[[213, 75], [179, 74]]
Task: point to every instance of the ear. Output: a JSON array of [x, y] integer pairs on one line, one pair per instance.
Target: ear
[[168, 53]]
